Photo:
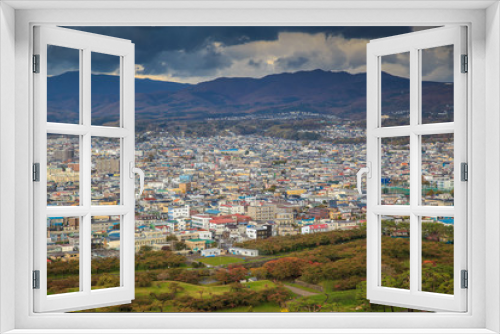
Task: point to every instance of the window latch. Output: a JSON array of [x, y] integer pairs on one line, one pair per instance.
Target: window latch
[[365, 170]]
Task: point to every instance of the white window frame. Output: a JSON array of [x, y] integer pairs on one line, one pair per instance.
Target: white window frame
[[85, 44], [484, 102], [414, 43]]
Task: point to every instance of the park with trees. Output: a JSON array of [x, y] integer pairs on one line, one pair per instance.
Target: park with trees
[[321, 272]]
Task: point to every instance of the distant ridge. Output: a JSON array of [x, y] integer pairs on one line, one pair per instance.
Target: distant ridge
[[324, 92]]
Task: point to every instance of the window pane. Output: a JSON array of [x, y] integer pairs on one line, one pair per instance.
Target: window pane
[[395, 89], [105, 252], [437, 254], [395, 251], [63, 85], [395, 171], [437, 84], [105, 89], [105, 171], [63, 170], [437, 170], [63, 265]]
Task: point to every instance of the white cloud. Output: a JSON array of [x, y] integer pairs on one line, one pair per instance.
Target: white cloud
[[290, 52]]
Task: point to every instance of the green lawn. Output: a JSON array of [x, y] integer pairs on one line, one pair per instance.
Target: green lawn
[[264, 307], [194, 290], [220, 260]]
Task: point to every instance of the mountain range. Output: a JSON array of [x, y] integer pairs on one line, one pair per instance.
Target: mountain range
[[331, 93]]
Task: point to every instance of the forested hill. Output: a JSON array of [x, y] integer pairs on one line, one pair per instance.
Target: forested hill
[[324, 92]]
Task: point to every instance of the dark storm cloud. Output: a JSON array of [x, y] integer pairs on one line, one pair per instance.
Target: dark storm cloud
[[202, 52], [255, 64], [60, 60], [291, 63], [151, 40], [179, 63], [437, 64]]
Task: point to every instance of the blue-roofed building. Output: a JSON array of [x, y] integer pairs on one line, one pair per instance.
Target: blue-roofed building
[[186, 178], [114, 235], [447, 221]]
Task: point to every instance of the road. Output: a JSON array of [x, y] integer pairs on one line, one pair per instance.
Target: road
[[300, 292]]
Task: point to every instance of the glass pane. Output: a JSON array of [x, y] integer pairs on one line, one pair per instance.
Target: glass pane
[[105, 171], [437, 254], [105, 252], [395, 171], [437, 84], [395, 89], [437, 170], [105, 89], [63, 170], [63, 85], [395, 251], [63, 255]]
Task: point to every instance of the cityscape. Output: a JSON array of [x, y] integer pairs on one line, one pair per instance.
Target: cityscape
[[214, 201], [250, 144]]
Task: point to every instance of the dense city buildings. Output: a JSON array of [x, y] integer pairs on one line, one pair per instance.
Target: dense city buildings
[[231, 188]]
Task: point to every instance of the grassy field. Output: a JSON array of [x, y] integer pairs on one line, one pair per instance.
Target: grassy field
[[265, 307], [302, 287], [142, 296], [220, 260], [197, 290]]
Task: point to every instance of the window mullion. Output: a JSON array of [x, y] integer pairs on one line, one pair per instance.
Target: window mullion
[[85, 172], [414, 170]]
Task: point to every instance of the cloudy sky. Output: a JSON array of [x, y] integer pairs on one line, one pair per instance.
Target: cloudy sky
[[196, 54]]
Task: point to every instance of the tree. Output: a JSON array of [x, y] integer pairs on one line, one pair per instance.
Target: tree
[[108, 281], [172, 237], [260, 273], [143, 280], [162, 298], [279, 297], [285, 268], [175, 287], [180, 246], [234, 274], [237, 274]]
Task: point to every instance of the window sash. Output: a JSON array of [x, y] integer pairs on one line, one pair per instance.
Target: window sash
[[414, 298], [86, 43]]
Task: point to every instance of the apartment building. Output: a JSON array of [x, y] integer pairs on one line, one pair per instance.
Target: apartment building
[[262, 212]]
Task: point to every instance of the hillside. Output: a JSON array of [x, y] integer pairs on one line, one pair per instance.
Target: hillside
[[330, 93]]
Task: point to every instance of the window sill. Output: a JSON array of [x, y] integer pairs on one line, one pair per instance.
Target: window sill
[[251, 331]]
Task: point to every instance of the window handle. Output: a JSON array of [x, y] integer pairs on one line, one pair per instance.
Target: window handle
[[365, 170], [134, 170]]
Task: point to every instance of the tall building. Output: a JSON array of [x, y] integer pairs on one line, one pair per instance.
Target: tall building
[[64, 155], [108, 165], [262, 212], [185, 187]]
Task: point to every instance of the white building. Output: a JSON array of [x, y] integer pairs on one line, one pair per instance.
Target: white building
[[314, 228], [210, 252], [231, 209], [205, 235], [175, 212], [243, 251], [251, 231], [346, 224], [201, 221]]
